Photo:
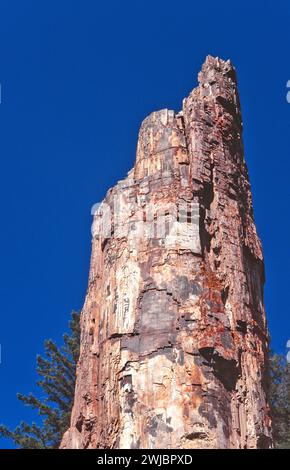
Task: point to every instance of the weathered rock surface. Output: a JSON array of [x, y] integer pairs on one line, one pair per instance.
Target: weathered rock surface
[[174, 337]]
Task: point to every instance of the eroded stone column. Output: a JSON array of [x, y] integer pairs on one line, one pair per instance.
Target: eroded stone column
[[174, 337]]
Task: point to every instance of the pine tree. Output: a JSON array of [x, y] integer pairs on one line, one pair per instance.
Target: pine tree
[[279, 398], [57, 380]]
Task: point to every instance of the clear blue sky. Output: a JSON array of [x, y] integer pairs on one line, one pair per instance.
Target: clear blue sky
[[77, 78]]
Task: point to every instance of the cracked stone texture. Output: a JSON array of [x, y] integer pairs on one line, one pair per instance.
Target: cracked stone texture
[[174, 337]]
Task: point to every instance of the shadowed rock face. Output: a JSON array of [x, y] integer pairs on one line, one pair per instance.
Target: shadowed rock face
[[174, 338]]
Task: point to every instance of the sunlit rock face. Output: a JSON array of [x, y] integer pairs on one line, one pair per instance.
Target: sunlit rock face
[[174, 337]]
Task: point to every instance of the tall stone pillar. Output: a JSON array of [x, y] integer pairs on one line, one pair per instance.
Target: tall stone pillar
[[174, 337]]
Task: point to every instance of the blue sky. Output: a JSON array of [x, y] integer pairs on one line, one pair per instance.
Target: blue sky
[[77, 79]]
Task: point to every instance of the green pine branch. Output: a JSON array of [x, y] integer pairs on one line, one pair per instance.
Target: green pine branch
[[279, 398], [57, 380]]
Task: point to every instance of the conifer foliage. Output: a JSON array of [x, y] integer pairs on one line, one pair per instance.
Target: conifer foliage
[[279, 398], [57, 372]]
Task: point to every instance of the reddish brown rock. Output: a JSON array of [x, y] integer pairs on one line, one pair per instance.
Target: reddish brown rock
[[174, 337]]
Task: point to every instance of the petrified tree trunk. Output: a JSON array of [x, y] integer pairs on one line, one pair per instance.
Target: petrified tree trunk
[[174, 338]]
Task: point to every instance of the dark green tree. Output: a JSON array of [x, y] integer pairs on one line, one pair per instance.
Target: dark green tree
[[279, 399], [57, 370]]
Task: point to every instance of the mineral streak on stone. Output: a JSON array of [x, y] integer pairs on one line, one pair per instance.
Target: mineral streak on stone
[[174, 337]]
